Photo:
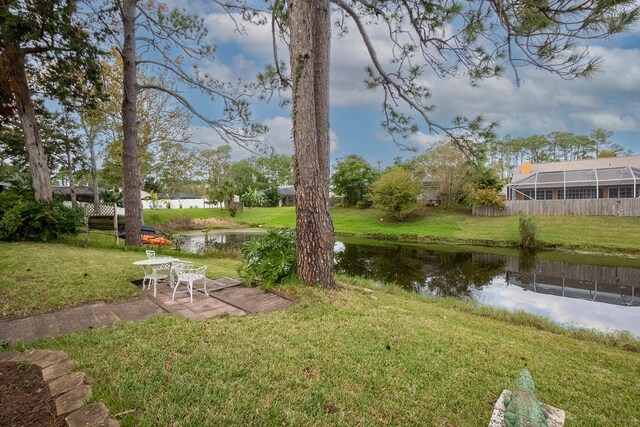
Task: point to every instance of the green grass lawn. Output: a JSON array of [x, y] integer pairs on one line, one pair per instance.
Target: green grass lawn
[[572, 232], [41, 277], [345, 357], [348, 358], [158, 216]]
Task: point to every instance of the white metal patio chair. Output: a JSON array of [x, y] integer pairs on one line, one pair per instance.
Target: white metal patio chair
[[158, 272], [150, 254], [175, 267], [188, 275]]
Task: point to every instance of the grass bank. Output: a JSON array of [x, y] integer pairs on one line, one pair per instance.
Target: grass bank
[[349, 358], [437, 225]]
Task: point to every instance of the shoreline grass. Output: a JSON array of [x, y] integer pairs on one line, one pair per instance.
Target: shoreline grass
[[348, 358], [382, 356], [433, 225]]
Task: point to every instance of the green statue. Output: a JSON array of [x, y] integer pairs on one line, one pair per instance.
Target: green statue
[[523, 408]]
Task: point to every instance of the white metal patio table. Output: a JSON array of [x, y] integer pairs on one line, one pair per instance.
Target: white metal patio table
[[156, 264]]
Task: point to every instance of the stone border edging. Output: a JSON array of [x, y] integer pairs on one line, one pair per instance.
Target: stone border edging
[[67, 388]]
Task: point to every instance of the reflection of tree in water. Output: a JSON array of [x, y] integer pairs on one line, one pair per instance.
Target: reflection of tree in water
[[459, 276], [527, 260], [391, 264], [422, 270]]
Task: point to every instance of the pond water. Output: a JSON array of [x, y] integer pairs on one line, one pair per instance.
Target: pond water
[[602, 293]]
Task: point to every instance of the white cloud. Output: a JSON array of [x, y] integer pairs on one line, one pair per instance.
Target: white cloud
[[543, 103], [425, 141], [277, 137]]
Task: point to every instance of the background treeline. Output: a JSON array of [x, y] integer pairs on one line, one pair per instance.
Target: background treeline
[[505, 154]]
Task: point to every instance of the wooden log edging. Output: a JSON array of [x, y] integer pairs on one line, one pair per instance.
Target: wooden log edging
[[67, 388]]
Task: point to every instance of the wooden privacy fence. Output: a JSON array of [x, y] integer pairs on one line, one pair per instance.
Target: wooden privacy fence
[[590, 207]]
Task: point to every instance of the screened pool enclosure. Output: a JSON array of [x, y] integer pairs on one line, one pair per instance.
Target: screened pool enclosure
[[597, 183]]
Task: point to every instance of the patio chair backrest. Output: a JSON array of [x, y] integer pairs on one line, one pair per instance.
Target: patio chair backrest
[[150, 254], [191, 273]]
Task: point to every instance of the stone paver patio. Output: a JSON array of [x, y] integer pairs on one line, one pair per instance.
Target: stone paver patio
[[226, 297]]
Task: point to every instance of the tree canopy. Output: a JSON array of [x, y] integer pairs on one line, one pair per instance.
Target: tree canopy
[[44, 45], [351, 179]]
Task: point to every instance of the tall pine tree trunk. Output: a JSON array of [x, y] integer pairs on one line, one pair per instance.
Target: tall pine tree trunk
[[131, 172], [310, 26], [72, 182], [94, 169], [40, 172]]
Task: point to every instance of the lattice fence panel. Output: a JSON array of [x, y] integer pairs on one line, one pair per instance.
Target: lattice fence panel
[[103, 210]]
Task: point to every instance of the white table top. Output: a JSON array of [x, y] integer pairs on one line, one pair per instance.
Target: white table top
[[155, 261]]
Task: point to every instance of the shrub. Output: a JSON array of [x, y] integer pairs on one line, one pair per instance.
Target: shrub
[[528, 232], [270, 259], [396, 191], [484, 196], [25, 219], [271, 197], [177, 240]]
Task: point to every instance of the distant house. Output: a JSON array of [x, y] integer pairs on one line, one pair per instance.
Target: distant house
[[607, 178], [287, 195], [599, 187], [175, 201], [83, 194], [430, 192]]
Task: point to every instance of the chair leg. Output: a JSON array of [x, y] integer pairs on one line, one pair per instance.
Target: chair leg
[[205, 286], [191, 290], [175, 288], [155, 286]]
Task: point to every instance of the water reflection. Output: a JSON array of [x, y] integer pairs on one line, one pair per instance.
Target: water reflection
[[234, 239], [593, 296], [438, 273], [574, 293]]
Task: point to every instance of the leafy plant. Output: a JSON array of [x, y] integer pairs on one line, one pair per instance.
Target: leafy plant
[[112, 196], [177, 240], [251, 197], [24, 218], [396, 191], [484, 196], [271, 197], [528, 232], [270, 259]]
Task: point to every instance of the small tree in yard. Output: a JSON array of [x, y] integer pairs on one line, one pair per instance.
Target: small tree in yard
[[396, 192], [352, 179]]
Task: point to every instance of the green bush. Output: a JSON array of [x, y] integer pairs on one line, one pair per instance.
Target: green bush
[[269, 259], [396, 191], [271, 197], [528, 232], [484, 196], [25, 219]]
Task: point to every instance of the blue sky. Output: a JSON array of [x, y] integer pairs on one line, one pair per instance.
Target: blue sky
[[541, 104]]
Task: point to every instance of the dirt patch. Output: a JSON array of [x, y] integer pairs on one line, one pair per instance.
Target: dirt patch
[[213, 222], [24, 397]]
